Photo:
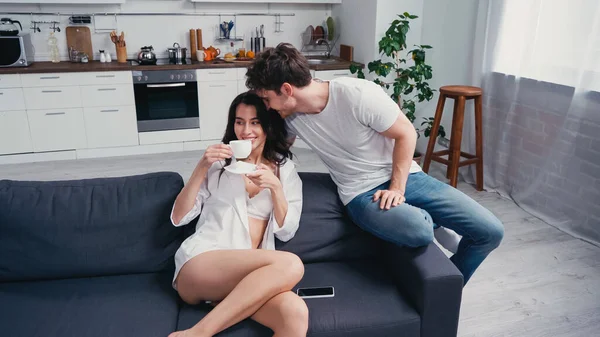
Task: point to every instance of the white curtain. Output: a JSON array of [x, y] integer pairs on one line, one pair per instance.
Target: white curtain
[[538, 62]]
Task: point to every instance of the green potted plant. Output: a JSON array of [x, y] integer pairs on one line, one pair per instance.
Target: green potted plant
[[409, 84]]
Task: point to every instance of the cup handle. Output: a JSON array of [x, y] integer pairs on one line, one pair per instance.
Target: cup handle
[[218, 52]]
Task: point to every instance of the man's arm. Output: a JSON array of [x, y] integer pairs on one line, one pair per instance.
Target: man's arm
[[405, 136]]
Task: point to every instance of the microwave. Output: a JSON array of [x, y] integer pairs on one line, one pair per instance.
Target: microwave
[[16, 51]]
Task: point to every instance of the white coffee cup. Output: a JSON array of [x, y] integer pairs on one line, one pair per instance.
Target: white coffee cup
[[200, 55], [241, 148]]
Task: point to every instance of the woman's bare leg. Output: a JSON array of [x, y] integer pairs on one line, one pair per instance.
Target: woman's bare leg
[[243, 279], [286, 314]]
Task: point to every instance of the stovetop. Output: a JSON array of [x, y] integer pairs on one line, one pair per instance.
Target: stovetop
[[160, 62]]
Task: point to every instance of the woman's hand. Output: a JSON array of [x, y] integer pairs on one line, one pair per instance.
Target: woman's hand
[[215, 153], [264, 177]]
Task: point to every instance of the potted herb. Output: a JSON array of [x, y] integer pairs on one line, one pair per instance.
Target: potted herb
[[409, 84]]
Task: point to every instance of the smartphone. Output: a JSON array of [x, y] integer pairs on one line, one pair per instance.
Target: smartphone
[[316, 292]]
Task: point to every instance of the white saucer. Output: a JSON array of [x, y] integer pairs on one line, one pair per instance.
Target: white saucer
[[240, 167]]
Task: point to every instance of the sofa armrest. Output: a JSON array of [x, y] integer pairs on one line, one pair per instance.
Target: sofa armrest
[[431, 282]]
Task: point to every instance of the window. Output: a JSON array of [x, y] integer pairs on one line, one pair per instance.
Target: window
[[555, 41]]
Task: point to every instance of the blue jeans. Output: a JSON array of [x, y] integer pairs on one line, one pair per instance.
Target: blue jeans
[[431, 203]]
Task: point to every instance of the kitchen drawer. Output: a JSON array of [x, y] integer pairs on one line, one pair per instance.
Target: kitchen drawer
[[14, 132], [52, 97], [107, 95], [106, 77], [241, 73], [210, 75], [49, 80], [57, 129], [110, 126], [12, 99], [10, 81], [327, 75]]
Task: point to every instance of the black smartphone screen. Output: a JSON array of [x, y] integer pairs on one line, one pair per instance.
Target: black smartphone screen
[[320, 291]]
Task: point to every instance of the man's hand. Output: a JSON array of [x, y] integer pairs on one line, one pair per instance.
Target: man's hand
[[264, 177], [389, 198]]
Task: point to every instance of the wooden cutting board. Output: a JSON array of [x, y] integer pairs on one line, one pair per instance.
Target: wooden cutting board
[[347, 52], [80, 38]]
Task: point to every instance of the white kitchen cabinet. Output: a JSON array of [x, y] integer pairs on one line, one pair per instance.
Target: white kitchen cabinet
[[10, 81], [110, 126], [241, 86], [327, 75], [241, 78], [106, 77], [50, 79], [212, 75], [276, 1], [57, 129], [12, 99], [52, 97], [107, 95], [214, 101], [14, 132], [82, 2]]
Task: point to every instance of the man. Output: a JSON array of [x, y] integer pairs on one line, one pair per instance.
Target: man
[[367, 144]]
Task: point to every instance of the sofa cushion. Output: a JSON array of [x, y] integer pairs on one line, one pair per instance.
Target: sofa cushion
[[326, 233], [366, 303], [115, 306], [92, 227]]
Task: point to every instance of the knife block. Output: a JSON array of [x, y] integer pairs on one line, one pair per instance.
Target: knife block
[[121, 54]]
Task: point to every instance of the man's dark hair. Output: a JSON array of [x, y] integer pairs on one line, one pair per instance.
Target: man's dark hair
[[275, 66]]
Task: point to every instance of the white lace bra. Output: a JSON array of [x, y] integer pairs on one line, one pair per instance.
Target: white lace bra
[[261, 205]]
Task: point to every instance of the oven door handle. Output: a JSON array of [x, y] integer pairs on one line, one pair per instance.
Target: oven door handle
[[169, 85]]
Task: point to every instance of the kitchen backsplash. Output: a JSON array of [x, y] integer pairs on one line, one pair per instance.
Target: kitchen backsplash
[[162, 31]]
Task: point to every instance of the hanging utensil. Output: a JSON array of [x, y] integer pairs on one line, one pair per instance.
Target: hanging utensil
[[262, 37]]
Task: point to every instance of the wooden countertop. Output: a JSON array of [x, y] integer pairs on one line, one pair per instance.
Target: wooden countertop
[[69, 67]]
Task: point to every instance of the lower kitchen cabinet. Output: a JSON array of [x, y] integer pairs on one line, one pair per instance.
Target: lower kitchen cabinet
[[327, 75], [14, 132], [57, 129], [110, 126], [214, 99]]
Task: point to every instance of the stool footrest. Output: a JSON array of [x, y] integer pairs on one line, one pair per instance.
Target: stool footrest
[[471, 159]]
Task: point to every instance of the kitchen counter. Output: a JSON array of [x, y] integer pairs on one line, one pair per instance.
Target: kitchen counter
[[68, 67]]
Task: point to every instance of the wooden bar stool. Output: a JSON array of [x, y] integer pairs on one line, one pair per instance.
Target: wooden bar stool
[[460, 94]]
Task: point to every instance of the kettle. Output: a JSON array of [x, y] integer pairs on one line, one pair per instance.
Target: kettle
[[146, 55], [8, 27], [177, 55]]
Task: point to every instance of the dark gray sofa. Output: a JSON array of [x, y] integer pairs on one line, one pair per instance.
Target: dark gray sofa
[[94, 258]]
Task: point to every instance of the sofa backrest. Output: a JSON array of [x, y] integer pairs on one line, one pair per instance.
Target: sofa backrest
[[90, 227], [326, 233]]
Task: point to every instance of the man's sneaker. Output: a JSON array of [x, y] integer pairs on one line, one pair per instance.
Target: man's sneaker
[[447, 238]]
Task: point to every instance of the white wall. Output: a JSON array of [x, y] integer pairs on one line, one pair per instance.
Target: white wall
[[161, 32], [356, 21], [448, 26]]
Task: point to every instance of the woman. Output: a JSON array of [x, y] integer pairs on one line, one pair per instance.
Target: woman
[[231, 258]]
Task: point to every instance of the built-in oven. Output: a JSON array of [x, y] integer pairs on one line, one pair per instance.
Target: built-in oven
[[166, 100]]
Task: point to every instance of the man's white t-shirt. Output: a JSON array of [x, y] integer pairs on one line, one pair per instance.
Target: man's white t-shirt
[[346, 135]]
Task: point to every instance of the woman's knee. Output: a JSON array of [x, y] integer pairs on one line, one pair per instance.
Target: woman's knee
[[294, 312], [291, 266]]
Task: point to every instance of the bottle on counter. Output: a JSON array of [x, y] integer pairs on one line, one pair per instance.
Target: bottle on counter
[[53, 48], [102, 56], [108, 59]]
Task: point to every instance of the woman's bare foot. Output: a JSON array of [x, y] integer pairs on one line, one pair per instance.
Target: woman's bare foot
[[186, 333]]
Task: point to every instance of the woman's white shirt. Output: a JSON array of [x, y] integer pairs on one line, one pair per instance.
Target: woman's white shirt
[[223, 223]]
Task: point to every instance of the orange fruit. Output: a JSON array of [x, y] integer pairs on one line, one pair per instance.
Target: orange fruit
[[250, 54]]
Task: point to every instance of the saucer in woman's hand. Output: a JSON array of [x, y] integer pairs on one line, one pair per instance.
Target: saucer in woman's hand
[[240, 167]]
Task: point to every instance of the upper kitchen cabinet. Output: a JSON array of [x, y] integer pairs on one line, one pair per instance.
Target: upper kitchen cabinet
[[84, 2], [276, 1]]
